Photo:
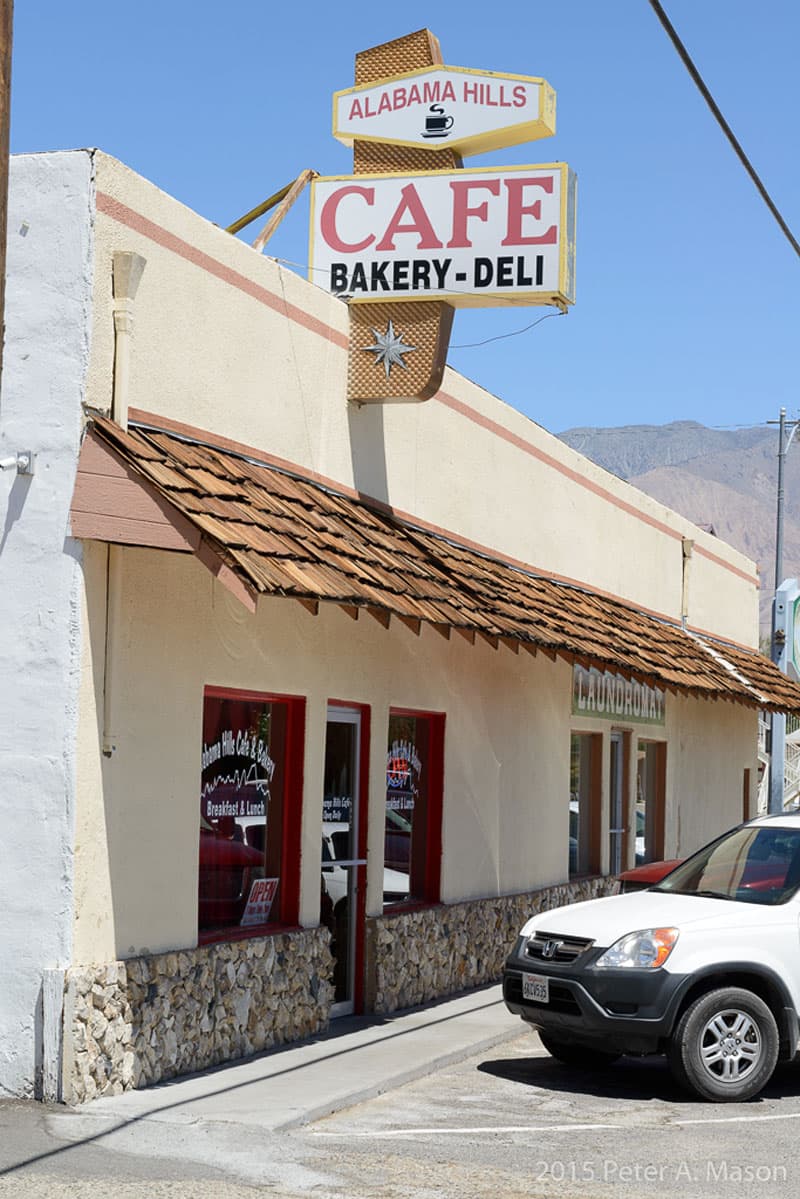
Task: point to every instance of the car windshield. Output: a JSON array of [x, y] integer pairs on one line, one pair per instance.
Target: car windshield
[[753, 864]]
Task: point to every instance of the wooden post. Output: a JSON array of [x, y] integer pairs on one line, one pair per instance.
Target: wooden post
[[425, 325]]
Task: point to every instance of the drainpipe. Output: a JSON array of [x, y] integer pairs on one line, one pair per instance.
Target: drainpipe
[[113, 592], [127, 271], [688, 549], [126, 274]]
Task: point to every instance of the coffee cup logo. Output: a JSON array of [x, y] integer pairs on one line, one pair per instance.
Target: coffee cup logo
[[437, 123]]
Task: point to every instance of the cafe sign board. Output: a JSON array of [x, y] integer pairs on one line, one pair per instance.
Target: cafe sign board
[[410, 224], [603, 695], [470, 237], [469, 111]]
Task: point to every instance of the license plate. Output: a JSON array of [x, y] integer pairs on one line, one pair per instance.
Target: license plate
[[536, 987]]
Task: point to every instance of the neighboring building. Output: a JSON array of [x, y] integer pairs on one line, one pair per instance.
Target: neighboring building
[[282, 674]]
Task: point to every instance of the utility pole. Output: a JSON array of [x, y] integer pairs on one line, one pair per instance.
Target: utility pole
[[779, 649], [6, 27]]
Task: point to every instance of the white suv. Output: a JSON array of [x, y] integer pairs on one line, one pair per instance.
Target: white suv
[[704, 966]]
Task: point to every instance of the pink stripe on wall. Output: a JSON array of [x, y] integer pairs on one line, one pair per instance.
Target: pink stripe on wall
[[527, 447], [133, 220], [140, 224]]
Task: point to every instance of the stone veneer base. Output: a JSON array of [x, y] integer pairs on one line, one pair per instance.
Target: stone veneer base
[[133, 1023], [426, 954]]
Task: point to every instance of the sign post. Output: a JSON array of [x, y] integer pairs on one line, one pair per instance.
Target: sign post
[[411, 235]]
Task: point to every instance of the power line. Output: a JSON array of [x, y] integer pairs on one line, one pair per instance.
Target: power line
[[723, 124], [471, 345], [466, 345]]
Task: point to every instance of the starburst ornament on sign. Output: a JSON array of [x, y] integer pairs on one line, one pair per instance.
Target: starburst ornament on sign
[[389, 349]]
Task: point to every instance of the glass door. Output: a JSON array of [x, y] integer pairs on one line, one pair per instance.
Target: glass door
[[616, 822], [340, 896]]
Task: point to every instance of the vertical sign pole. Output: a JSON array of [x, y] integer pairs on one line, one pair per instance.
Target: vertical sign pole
[[781, 628], [777, 754], [424, 325]]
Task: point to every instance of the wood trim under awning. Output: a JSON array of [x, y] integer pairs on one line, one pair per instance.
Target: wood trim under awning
[[114, 503], [264, 530]]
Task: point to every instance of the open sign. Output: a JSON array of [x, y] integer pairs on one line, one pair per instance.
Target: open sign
[[471, 237], [259, 901]]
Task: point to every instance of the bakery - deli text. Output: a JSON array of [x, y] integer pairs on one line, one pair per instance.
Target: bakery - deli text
[[479, 236]]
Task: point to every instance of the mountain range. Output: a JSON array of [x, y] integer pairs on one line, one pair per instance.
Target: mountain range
[[722, 478]]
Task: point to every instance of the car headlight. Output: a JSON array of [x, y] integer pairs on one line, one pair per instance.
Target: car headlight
[[644, 950]]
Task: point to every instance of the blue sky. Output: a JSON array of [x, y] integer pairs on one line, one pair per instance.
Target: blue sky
[[687, 293]]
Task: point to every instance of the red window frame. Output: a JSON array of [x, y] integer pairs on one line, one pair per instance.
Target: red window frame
[[288, 914], [431, 871]]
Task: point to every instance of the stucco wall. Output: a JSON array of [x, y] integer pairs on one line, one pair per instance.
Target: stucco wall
[[48, 299], [181, 631], [705, 765], [227, 340], [506, 749]]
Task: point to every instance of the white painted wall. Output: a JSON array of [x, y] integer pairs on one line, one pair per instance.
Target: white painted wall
[[48, 305]]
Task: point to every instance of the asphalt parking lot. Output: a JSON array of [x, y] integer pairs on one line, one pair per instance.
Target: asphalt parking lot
[[514, 1122], [504, 1123]]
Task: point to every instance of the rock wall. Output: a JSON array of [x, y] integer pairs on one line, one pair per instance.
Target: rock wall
[[133, 1023], [426, 954]]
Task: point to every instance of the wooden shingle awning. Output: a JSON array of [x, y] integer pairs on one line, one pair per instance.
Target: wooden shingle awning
[[264, 530]]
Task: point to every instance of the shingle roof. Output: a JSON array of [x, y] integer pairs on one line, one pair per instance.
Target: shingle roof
[[284, 535]]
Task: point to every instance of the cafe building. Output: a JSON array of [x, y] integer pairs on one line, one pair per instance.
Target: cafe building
[[313, 702]]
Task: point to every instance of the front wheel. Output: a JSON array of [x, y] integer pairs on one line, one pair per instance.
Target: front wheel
[[725, 1046], [572, 1054]]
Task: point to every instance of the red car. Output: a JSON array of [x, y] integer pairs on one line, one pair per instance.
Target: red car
[[228, 867], [641, 877]]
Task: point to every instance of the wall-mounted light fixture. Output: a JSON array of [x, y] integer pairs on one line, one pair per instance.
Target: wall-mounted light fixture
[[23, 460]]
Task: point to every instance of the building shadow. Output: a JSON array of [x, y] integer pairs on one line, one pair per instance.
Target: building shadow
[[367, 431]]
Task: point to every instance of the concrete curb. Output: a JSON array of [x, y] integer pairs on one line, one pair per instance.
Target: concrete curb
[[421, 1070], [355, 1061]]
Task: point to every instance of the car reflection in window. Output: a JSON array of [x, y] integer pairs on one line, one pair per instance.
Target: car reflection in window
[[336, 848], [229, 864]]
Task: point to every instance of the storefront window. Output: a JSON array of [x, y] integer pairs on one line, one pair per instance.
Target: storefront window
[[249, 811], [413, 828], [584, 803], [650, 786]]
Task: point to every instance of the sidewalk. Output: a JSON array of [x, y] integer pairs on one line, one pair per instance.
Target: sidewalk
[[360, 1057]]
